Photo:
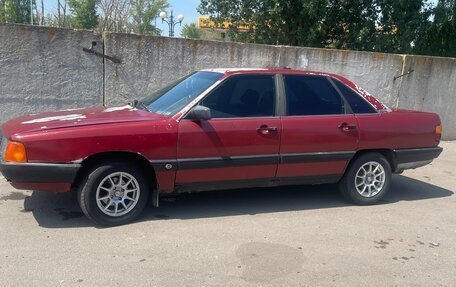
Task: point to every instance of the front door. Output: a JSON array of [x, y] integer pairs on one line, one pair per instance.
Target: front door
[[320, 133], [239, 145]]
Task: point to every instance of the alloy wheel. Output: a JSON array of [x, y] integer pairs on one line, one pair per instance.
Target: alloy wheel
[[117, 194], [370, 179]]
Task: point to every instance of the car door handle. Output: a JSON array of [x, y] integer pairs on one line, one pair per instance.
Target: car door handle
[[266, 130], [347, 127]]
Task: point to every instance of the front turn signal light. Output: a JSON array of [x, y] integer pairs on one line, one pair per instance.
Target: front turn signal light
[[438, 132], [15, 152]]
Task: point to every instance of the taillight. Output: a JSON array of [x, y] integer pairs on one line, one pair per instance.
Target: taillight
[[438, 132], [15, 152]]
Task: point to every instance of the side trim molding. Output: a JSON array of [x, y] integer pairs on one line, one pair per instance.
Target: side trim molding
[[317, 157], [253, 183], [164, 165], [233, 161], [249, 160]]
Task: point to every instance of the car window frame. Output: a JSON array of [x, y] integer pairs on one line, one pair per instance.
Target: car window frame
[[276, 94], [333, 79], [347, 108]]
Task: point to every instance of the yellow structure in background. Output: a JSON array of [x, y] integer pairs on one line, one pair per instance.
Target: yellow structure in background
[[207, 23]]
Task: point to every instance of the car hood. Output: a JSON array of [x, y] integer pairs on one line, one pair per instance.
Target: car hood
[[76, 118]]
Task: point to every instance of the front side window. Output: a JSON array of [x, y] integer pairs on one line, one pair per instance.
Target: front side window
[[311, 95], [174, 97], [243, 96]]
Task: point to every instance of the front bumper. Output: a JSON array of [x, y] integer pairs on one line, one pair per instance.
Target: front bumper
[[32, 175]]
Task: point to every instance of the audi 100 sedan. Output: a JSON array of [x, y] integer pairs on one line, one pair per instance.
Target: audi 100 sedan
[[219, 129]]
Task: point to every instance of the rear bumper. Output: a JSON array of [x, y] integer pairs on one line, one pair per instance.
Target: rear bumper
[[413, 158], [52, 177]]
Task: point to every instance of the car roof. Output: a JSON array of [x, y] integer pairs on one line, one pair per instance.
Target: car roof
[[285, 70], [371, 99], [264, 70]]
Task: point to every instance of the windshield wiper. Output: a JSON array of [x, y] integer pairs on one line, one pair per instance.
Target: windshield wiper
[[139, 104]]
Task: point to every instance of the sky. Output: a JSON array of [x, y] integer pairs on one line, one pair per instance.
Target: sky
[[184, 7]]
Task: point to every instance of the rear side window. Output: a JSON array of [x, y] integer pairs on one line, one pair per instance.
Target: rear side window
[[312, 95], [357, 103], [243, 96]]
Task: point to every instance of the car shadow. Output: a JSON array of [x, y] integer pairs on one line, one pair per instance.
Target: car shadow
[[60, 210]]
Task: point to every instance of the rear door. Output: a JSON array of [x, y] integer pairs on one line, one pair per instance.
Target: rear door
[[239, 146], [319, 131]]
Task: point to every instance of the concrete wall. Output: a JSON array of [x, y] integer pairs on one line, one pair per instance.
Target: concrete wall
[[45, 69], [152, 62], [431, 87]]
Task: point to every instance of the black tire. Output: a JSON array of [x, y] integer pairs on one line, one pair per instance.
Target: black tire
[[347, 184], [87, 192]]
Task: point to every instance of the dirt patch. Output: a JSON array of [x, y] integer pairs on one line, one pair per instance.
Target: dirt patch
[[263, 262], [14, 196]]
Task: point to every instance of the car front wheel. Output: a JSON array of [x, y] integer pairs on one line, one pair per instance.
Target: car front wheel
[[113, 193], [367, 179]]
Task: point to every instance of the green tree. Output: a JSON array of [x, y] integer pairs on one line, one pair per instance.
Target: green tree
[[400, 24], [143, 13], [191, 31], [349, 24], [15, 11], [288, 22], [84, 13], [395, 26], [440, 37], [375, 25]]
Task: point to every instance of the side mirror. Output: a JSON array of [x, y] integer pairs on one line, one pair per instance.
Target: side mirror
[[199, 113]]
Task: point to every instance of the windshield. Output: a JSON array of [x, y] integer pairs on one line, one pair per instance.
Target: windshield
[[174, 97]]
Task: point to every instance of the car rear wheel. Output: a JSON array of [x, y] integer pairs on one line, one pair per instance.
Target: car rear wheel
[[367, 179], [113, 193]]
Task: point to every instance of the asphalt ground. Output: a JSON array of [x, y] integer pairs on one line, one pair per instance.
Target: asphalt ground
[[287, 236]]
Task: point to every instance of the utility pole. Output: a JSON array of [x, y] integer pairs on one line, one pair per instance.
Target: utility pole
[[42, 13], [31, 12], [58, 11], [6, 20]]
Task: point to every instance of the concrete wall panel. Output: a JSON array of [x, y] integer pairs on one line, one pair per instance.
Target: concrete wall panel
[[45, 69], [372, 71], [431, 87], [149, 63]]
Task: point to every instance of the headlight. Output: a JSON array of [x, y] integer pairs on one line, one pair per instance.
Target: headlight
[[15, 152]]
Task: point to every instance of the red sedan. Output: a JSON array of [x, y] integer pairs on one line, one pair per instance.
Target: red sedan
[[219, 129]]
